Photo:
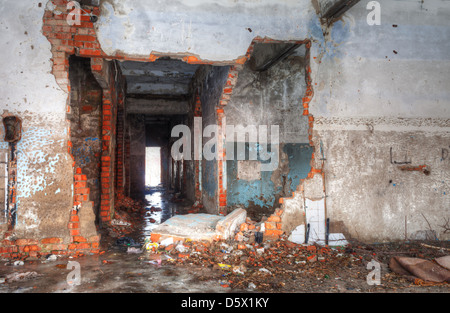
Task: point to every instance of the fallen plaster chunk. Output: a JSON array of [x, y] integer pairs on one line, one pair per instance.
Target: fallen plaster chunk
[[298, 234], [265, 270], [181, 248], [119, 223], [166, 242], [225, 228], [190, 226], [199, 226]]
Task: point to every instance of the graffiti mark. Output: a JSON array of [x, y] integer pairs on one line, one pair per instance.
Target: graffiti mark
[[420, 168], [444, 154], [406, 161]]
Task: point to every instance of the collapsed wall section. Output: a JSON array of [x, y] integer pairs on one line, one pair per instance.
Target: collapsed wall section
[[265, 98]]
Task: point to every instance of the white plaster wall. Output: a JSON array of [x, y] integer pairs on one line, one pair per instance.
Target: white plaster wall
[[29, 90], [25, 63], [215, 30]]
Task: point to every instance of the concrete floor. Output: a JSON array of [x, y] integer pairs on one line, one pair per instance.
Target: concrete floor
[[114, 271], [117, 271], [123, 273]]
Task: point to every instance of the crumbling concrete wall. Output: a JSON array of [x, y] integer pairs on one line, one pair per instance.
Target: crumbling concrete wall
[[380, 103], [389, 80], [209, 82], [192, 164], [268, 98], [29, 91], [210, 94], [136, 129], [176, 165], [210, 30]]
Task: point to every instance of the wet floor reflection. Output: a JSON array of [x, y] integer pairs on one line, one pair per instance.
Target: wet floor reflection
[[160, 209]]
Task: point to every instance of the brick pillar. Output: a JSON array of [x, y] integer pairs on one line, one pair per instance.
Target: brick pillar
[[221, 122], [197, 163], [120, 150], [106, 177], [221, 162], [127, 165]]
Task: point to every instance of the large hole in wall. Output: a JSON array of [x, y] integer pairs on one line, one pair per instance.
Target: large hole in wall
[[161, 95], [268, 92]]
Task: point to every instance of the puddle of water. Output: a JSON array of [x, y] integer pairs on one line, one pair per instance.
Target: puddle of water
[[160, 200]]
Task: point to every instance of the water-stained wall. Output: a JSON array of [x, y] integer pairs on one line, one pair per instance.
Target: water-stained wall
[[271, 97], [381, 110]]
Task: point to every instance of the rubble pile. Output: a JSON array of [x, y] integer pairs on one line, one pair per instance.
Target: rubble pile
[[277, 265], [130, 205], [126, 213], [195, 208], [264, 266], [250, 232], [259, 256]]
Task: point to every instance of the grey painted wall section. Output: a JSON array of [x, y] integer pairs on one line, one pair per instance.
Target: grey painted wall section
[[156, 107], [136, 129], [213, 30], [161, 77], [211, 87], [384, 70], [271, 97], [381, 88]]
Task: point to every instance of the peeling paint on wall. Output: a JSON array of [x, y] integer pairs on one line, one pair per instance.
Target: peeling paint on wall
[[34, 155], [262, 194]]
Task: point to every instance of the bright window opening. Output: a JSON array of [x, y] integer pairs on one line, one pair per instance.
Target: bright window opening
[[152, 166]]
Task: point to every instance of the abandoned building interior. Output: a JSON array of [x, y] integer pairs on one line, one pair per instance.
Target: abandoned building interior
[[294, 121]]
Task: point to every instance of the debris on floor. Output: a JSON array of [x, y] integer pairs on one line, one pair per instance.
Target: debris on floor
[[277, 265], [243, 257], [126, 213], [195, 208], [418, 268], [246, 260], [17, 277], [126, 241], [129, 204], [254, 263]]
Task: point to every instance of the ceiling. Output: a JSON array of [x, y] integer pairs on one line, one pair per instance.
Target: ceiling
[[161, 78]]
